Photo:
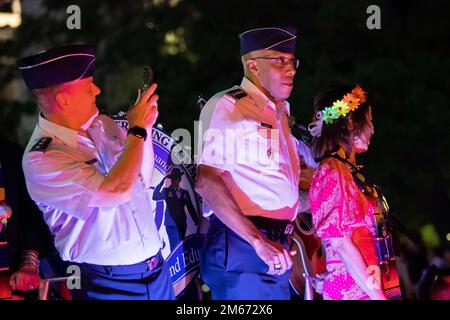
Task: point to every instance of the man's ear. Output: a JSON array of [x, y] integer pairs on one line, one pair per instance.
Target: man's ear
[[252, 67], [63, 100]]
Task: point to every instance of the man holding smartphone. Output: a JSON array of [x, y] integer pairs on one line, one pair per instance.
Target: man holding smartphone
[[90, 179]]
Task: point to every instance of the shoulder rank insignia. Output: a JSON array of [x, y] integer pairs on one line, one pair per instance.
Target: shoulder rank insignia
[[42, 144], [237, 93]]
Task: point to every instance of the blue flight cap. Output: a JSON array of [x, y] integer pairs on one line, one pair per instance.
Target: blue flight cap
[[57, 66], [270, 38]]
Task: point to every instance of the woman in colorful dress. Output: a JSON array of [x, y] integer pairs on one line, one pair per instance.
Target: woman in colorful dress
[[342, 213]]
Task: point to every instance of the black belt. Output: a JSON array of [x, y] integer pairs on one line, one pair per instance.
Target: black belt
[[274, 229], [140, 267]]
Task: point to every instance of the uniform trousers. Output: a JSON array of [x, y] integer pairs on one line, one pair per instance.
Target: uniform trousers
[[146, 280], [233, 271]]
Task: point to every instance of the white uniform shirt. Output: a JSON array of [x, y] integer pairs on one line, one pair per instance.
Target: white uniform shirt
[[62, 180], [250, 138]]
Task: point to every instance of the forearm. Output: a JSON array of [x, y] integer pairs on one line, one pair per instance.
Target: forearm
[[126, 170], [213, 189], [29, 261], [27, 277], [159, 194], [117, 186], [193, 214], [357, 268]]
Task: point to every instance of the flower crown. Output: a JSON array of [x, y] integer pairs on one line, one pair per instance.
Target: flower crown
[[340, 108]]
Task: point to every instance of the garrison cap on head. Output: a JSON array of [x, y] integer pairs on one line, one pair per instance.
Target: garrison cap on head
[[270, 38], [57, 66], [175, 173]]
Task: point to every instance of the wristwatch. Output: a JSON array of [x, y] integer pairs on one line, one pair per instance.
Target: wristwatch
[[138, 132]]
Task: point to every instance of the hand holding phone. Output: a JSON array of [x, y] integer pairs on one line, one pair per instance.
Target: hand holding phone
[[148, 77], [145, 111]]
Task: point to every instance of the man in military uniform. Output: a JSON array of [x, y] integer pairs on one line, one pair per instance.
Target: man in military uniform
[[249, 172], [90, 179], [177, 199]]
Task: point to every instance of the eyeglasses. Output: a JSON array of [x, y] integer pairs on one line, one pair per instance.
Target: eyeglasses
[[281, 61]]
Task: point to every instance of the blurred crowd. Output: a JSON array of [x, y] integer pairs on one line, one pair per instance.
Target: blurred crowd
[[424, 271]]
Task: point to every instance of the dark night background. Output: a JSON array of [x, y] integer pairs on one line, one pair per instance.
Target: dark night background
[[193, 47]]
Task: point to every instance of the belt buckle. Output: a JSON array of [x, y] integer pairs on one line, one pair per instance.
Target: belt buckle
[[152, 263], [289, 229]]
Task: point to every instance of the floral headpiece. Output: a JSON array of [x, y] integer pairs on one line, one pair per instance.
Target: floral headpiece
[[340, 108]]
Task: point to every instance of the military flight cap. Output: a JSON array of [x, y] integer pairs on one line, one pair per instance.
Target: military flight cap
[[175, 173], [269, 38], [58, 65]]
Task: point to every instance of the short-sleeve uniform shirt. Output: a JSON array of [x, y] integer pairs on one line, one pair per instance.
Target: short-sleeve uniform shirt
[[246, 134], [62, 175]]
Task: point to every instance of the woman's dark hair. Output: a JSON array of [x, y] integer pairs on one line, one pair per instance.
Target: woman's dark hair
[[338, 132]]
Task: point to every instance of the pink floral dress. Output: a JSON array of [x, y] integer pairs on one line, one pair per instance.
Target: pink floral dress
[[339, 207]]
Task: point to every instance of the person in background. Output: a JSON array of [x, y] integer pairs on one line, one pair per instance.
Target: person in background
[[177, 199], [27, 236]]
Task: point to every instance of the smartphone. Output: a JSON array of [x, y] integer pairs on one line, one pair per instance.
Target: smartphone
[[148, 77]]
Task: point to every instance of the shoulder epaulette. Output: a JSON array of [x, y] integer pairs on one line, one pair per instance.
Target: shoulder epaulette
[[42, 144], [237, 93]]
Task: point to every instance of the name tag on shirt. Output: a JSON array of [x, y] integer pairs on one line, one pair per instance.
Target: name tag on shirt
[[266, 125], [92, 161], [265, 131]]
